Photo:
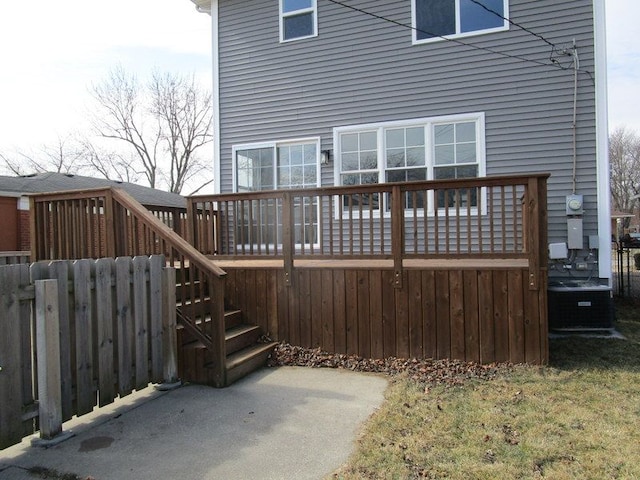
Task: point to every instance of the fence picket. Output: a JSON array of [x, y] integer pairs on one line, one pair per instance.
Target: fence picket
[[156, 264], [10, 358], [104, 325], [124, 325], [84, 336], [141, 320]]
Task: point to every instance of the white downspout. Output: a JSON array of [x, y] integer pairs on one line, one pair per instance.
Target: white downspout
[[602, 142], [217, 187]]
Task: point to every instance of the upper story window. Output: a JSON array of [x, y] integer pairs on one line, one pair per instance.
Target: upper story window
[[298, 19], [433, 19]]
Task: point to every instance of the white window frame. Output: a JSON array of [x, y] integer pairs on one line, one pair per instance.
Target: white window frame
[[458, 34], [428, 123], [274, 145], [284, 15]]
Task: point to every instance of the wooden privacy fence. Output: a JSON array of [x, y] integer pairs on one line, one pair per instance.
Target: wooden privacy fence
[[76, 334], [109, 222]]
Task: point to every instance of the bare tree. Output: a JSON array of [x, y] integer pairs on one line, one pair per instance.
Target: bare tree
[[624, 159], [121, 117], [163, 124], [63, 156], [108, 164], [184, 113]]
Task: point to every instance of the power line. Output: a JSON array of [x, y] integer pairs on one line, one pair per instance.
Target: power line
[[513, 23], [553, 64]]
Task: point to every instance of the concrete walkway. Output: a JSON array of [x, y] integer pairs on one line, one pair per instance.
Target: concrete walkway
[[279, 423]]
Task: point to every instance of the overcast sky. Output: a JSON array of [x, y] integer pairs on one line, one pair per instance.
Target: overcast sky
[[52, 51]]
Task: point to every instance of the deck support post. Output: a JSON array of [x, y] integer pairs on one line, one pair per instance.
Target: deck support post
[[287, 237], [397, 234]]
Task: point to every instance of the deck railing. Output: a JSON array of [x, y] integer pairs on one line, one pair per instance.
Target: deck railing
[[490, 217], [109, 223]]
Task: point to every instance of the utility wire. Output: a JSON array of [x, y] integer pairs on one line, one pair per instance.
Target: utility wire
[[514, 23], [553, 64]]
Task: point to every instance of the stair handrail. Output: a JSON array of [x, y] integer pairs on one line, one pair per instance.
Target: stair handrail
[[167, 234], [212, 336]]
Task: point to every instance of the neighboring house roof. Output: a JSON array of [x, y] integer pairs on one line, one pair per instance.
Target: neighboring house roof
[[59, 182]]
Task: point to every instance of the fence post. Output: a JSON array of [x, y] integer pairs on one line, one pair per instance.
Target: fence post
[[169, 337], [48, 356]]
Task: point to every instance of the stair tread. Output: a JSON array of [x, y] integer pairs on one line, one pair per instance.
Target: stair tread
[[239, 330], [237, 358]]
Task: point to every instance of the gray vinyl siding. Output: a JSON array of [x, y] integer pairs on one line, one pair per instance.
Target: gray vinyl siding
[[361, 69]]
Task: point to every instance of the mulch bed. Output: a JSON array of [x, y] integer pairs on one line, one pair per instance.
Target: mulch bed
[[427, 371]]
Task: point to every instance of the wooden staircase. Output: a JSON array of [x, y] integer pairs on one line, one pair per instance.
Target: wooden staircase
[[246, 348]]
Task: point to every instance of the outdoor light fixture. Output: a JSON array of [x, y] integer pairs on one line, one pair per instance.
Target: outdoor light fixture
[[325, 156]]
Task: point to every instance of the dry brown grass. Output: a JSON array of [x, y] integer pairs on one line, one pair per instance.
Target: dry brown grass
[[577, 418]]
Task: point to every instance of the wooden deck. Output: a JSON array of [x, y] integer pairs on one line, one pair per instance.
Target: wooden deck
[[441, 269], [473, 310]]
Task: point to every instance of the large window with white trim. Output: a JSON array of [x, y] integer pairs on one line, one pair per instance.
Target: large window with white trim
[[434, 19], [275, 166], [422, 149], [298, 19]]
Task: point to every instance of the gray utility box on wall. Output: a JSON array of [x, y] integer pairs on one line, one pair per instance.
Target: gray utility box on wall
[[579, 305]]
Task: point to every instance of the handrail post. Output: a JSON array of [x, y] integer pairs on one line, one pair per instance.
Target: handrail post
[[219, 351], [397, 234], [109, 225], [34, 238], [191, 225], [536, 229], [287, 236]]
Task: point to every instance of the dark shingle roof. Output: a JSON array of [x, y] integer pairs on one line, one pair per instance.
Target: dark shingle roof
[[60, 182]]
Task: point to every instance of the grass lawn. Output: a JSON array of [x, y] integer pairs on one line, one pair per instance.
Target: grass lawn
[[577, 418]]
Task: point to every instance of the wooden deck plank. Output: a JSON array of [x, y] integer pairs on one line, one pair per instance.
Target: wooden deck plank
[[375, 313], [471, 316], [443, 314], [414, 286], [340, 311], [304, 302], [261, 299], [429, 324], [457, 309], [493, 263], [402, 321], [351, 288], [388, 313], [282, 292], [516, 316], [486, 320], [315, 284], [327, 309], [272, 304], [501, 316], [364, 319]]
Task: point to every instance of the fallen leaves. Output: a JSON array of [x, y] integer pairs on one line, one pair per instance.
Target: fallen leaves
[[428, 371]]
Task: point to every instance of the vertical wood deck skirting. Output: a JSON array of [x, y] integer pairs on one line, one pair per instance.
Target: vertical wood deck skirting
[[483, 313]]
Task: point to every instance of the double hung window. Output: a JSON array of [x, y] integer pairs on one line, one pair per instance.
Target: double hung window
[[422, 149], [434, 19], [298, 19]]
